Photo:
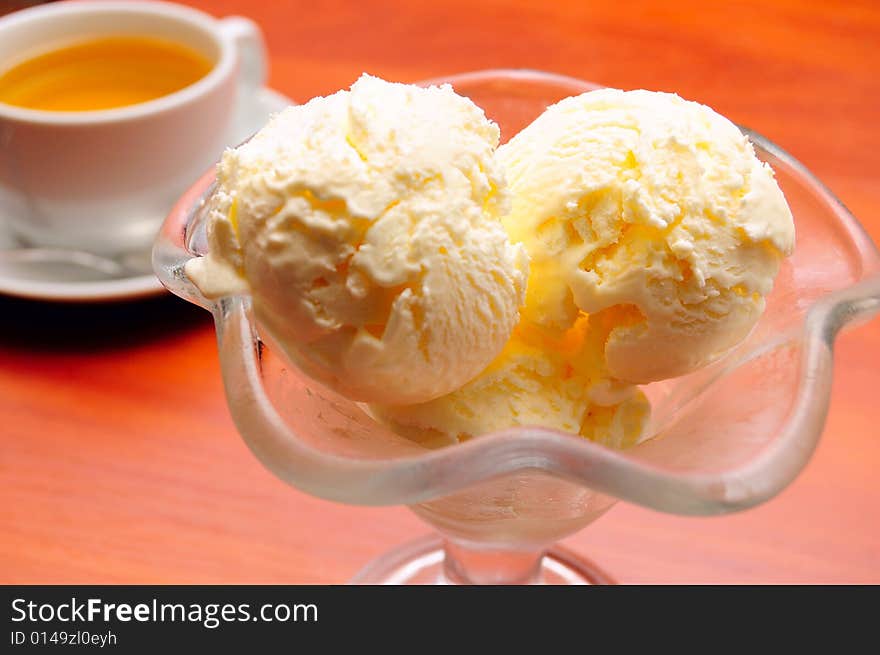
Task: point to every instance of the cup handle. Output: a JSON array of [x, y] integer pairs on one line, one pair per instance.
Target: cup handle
[[247, 38]]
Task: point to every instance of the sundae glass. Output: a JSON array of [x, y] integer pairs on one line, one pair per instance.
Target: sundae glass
[[721, 439]]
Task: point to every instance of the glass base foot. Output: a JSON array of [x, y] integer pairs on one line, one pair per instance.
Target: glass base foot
[[421, 562]]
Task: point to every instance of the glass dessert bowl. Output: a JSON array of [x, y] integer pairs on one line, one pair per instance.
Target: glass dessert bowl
[[724, 438]]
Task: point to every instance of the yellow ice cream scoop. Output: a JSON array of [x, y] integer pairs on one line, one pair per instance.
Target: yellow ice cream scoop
[[544, 377], [366, 227], [653, 212]]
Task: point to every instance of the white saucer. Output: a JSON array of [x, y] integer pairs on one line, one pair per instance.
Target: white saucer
[[71, 283]]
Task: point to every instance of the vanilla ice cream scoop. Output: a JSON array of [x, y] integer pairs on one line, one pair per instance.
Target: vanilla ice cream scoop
[[653, 211], [366, 227], [543, 377]]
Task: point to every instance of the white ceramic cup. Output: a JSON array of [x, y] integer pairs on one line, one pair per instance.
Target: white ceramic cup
[[103, 180]]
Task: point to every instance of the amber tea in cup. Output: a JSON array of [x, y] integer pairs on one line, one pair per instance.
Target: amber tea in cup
[[109, 109], [102, 73]]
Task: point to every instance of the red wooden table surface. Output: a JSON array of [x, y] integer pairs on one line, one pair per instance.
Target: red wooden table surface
[[119, 462]]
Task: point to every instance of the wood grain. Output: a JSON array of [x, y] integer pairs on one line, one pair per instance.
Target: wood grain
[[118, 459]]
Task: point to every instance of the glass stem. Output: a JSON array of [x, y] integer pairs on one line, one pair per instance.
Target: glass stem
[[467, 565]]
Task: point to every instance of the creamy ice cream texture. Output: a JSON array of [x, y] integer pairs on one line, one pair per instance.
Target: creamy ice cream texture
[[386, 253], [654, 233], [366, 227], [543, 377], [653, 211]]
